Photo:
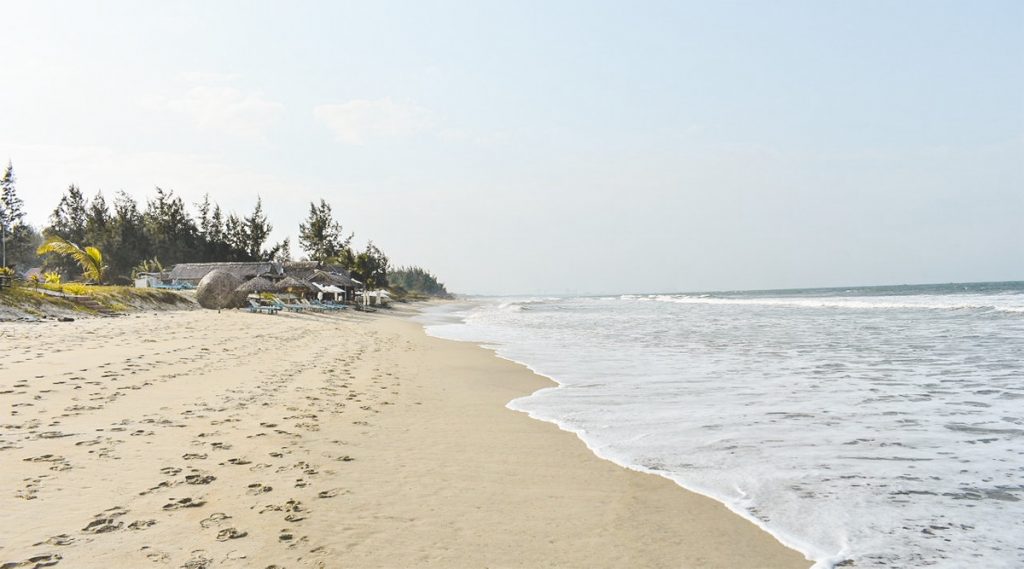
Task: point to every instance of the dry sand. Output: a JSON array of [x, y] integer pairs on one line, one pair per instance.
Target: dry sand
[[203, 439]]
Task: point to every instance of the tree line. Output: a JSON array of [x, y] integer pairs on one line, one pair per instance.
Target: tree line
[[165, 231], [418, 280]]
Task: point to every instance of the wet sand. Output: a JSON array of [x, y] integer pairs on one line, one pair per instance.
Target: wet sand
[[202, 439]]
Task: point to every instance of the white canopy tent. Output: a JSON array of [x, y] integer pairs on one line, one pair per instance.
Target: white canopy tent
[[330, 289]]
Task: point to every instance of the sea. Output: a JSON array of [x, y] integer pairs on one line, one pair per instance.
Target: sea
[[865, 427]]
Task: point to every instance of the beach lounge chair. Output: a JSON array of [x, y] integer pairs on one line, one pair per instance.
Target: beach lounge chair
[[257, 307], [329, 305], [315, 305], [281, 305]]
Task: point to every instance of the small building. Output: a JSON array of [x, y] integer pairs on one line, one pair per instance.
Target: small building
[[148, 280], [322, 274], [189, 274]]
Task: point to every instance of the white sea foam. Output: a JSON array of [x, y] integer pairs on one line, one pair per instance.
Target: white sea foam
[[884, 429], [998, 303]]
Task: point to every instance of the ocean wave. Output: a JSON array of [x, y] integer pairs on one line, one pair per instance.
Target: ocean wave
[[855, 445], [988, 304], [521, 304]]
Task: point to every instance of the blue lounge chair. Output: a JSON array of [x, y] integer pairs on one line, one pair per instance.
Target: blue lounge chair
[[255, 307]]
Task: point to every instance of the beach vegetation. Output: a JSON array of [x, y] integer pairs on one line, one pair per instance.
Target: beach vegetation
[[128, 233], [164, 231], [7, 277], [147, 266], [18, 239], [89, 259], [371, 267], [416, 281], [322, 237]]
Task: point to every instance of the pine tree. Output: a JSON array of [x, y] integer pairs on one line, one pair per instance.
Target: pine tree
[[172, 232], [321, 236], [11, 206], [236, 238], [97, 221], [68, 220], [371, 267], [284, 251], [98, 229], [128, 236], [255, 232], [8, 212], [417, 280], [18, 239]]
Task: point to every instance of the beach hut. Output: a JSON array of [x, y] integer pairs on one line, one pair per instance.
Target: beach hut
[[257, 285], [338, 280], [328, 289], [189, 274], [292, 284], [334, 290]]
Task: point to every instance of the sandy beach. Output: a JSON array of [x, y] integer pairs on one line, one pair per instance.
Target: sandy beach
[[204, 439]]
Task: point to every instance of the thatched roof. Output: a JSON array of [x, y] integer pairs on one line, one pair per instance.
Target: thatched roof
[[292, 282], [324, 277], [300, 269], [196, 271], [304, 270], [258, 284]]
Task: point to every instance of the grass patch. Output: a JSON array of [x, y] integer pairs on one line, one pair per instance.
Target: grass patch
[[32, 299]]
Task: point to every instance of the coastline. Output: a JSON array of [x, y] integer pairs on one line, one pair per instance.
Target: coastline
[[387, 448], [519, 405]]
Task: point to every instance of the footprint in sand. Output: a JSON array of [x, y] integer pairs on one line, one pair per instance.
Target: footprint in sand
[[181, 503], [199, 560], [194, 456], [258, 488], [199, 478], [158, 557], [106, 521], [230, 533], [141, 524], [60, 539], [37, 562], [214, 519], [238, 461]]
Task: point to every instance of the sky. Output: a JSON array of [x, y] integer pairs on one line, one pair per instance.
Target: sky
[[524, 147]]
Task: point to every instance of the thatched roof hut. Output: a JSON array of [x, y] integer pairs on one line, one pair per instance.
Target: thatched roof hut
[[339, 280], [289, 283], [257, 284], [192, 273], [306, 270]]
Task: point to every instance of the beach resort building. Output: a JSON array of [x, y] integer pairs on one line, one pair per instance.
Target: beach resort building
[[190, 274]]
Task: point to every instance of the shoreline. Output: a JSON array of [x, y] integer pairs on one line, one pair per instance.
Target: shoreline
[[555, 384], [353, 440]]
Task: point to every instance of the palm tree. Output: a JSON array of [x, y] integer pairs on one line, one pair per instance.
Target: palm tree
[[89, 258]]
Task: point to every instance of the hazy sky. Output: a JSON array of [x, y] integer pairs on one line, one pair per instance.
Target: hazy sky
[[528, 147]]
